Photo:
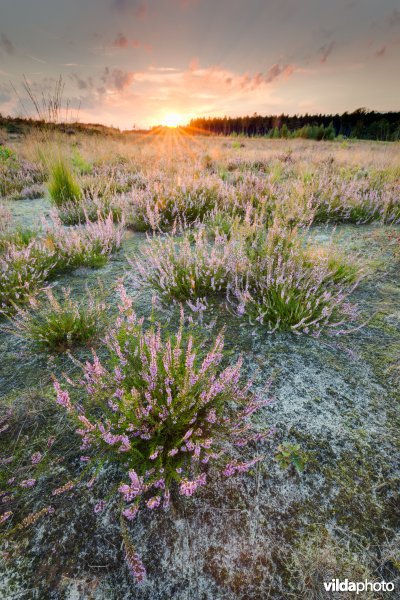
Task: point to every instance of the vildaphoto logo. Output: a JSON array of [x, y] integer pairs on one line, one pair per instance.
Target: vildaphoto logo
[[336, 585]]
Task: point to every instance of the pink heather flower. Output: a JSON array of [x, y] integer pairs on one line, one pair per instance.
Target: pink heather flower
[[212, 416], [50, 441], [27, 483], [5, 516], [62, 397], [135, 565], [167, 499], [100, 506], [153, 502], [173, 452], [229, 470], [36, 458], [113, 406], [154, 455], [10, 481], [188, 488], [130, 512], [187, 434], [84, 458]]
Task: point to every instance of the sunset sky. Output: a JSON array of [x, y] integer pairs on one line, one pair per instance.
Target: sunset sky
[[132, 62]]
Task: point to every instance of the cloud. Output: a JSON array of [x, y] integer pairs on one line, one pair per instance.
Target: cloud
[[394, 18], [379, 53], [276, 71], [117, 79], [325, 51], [138, 7], [121, 41], [6, 44]]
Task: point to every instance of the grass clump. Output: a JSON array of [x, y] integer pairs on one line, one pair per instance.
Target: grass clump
[[319, 558], [62, 186], [59, 324]]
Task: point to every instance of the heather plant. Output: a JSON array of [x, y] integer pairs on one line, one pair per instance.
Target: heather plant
[[19, 178], [89, 209], [161, 412], [85, 245], [24, 269], [22, 273], [165, 203], [62, 186], [287, 288], [59, 324], [336, 199], [188, 267]]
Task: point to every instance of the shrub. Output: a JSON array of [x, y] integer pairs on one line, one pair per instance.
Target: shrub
[[180, 269], [22, 272], [24, 269], [287, 289], [60, 324], [86, 245], [163, 206], [88, 209], [62, 186], [160, 412]]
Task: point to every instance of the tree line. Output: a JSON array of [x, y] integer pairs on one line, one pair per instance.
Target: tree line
[[361, 124]]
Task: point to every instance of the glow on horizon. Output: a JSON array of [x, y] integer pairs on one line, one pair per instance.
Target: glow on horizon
[[173, 120]]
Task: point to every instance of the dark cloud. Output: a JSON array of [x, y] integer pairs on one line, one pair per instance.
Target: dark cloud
[[380, 52], [121, 41], [394, 18], [276, 71], [117, 79], [6, 44], [325, 51], [138, 7], [83, 84]]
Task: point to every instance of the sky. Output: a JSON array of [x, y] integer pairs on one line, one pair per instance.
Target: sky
[[137, 62]]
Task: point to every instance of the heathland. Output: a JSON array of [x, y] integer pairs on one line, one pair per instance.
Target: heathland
[[200, 342]]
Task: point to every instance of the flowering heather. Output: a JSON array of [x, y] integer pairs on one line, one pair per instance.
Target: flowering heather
[[287, 288], [159, 410], [22, 273], [333, 198], [183, 269], [24, 268], [19, 177], [165, 203]]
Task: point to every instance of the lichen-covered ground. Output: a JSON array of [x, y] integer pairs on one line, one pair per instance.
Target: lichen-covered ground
[[273, 533]]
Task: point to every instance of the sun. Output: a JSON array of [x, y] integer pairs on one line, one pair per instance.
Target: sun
[[172, 120]]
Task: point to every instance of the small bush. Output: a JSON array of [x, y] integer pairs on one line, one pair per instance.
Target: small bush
[[58, 325], [22, 273], [160, 412], [24, 269], [182, 269], [287, 289], [77, 213], [62, 186]]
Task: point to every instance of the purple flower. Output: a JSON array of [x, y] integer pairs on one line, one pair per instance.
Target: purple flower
[[36, 458], [100, 506], [27, 483]]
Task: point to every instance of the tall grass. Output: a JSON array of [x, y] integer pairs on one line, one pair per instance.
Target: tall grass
[[63, 187]]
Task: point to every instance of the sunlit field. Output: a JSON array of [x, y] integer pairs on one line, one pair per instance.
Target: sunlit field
[[200, 342]]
